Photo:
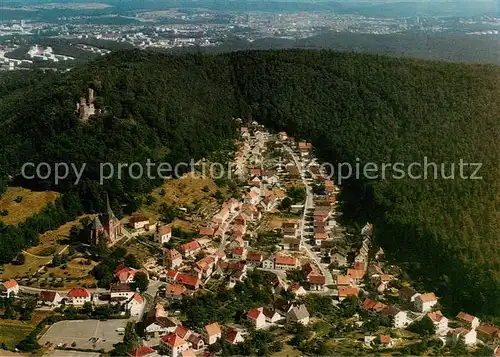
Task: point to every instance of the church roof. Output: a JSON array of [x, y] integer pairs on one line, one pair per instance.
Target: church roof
[[96, 223]]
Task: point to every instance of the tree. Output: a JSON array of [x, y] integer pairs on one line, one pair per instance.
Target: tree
[[87, 308], [424, 327], [285, 204], [141, 282], [131, 261]]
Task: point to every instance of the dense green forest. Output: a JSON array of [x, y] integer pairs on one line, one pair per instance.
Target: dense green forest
[[375, 108]]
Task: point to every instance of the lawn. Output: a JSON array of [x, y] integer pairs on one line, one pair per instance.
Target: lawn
[[13, 331], [31, 202], [31, 266]]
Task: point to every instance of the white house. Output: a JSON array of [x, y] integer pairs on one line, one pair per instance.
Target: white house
[[440, 322], [268, 263], [9, 287], [211, 333], [425, 302], [135, 305], [256, 315], [469, 336], [163, 234], [50, 298], [121, 291], [173, 345], [469, 320], [399, 317], [78, 296]]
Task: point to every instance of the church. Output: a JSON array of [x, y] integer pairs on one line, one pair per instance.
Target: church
[[106, 226]]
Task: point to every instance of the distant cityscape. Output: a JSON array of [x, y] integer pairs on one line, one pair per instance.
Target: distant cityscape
[[24, 42]]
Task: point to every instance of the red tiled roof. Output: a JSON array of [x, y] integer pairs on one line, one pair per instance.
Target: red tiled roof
[[78, 292], [347, 291], [186, 279], [175, 289], [465, 317], [238, 251], [181, 331], [317, 279], [385, 339], [9, 284], [48, 295], [255, 257], [356, 273], [435, 316], [231, 336], [283, 260], [427, 297], [173, 340], [141, 351], [213, 329], [254, 313], [207, 231]]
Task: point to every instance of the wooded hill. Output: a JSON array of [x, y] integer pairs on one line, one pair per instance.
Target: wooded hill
[[374, 108]]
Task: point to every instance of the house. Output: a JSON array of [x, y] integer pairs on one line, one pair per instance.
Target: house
[[9, 288], [172, 259], [343, 280], [282, 262], [252, 198], [205, 266], [142, 351], [190, 248], [298, 314], [468, 335], [182, 332], [496, 351], [211, 333], [487, 332], [120, 292], [296, 289], [163, 234], [234, 336], [175, 291], [51, 298], [319, 237], [239, 253], [256, 315], [385, 341], [171, 276], [268, 263], [344, 292], [290, 244], [125, 274], [254, 258], [282, 306], [440, 322], [173, 345], [135, 305], [408, 294], [190, 281], [78, 296], [316, 282], [138, 221], [356, 275], [398, 317], [271, 315], [425, 302], [372, 305], [158, 325], [207, 231], [468, 320], [196, 341]]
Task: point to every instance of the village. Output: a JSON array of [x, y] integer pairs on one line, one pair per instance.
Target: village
[[281, 235]]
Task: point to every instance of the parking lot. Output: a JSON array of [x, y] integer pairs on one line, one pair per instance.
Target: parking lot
[[86, 334]]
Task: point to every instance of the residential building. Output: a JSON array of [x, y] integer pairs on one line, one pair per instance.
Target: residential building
[[158, 325], [268, 263], [298, 314], [468, 320], [316, 282], [468, 335], [425, 302], [344, 292], [135, 305], [408, 294], [138, 221], [163, 234], [282, 262], [234, 336], [9, 288], [385, 341], [172, 259], [196, 341], [399, 317], [488, 332], [143, 351], [254, 259], [50, 298], [120, 292], [78, 296], [189, 281], [173, 345], [256, 315], [175, 291], [440, 322], [211, 333], [272, 316], [190, 249]]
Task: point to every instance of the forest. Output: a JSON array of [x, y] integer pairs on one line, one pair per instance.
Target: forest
[[350, 106]]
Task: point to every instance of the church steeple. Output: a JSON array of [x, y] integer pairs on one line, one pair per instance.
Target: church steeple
[[108, 211]]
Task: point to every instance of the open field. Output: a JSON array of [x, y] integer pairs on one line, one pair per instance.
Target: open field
[[188, 190], [81, 331], [49, 244], [13, 331], [32, 203], [31, 266]]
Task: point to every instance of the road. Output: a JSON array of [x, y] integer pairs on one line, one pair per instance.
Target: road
[[309, 204]]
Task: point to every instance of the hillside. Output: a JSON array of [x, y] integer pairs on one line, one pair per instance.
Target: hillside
[[375, 108]]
